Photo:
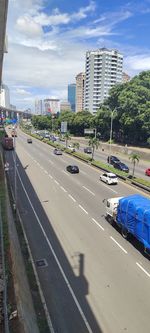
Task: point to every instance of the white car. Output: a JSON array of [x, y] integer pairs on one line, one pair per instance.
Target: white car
[[71, 148], [109, 178]]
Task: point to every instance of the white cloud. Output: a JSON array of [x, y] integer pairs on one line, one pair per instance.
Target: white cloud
[[28, 27], [21, 91], [137, 63]]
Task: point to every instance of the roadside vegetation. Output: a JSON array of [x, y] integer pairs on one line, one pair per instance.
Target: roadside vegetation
[[131, 120]]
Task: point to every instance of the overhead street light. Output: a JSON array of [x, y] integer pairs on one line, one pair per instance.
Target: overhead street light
[[111, 132]]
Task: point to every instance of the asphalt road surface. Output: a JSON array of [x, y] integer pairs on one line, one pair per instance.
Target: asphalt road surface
[[93, 279]]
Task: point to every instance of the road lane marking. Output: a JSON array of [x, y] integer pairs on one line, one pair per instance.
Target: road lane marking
[[118, 245], [56, 182], [83, 172], [65, 172], [57, 261], [70, 196], [50, 176], [50, 162], [83, 209], [46, 172], [108, 187], [88, 190], [63, 189], [144, 270], [97, 224]]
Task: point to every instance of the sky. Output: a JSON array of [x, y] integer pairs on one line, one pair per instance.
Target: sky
[[48, 40]]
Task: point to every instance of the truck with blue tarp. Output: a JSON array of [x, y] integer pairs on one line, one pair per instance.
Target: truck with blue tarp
[[132, 214]]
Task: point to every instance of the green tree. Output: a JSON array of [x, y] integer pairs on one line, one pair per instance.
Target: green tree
[[134, 159], [94, 143]]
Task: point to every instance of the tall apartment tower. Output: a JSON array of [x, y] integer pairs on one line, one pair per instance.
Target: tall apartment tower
[[103, 70], [72, 95], [80, 79]]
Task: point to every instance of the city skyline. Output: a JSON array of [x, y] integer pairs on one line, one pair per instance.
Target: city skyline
[[48, 41]]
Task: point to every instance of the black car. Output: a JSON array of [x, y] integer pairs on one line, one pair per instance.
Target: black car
[[57, 151], [112, 159], [72, 168], [29, 140], [121, 166], [88, 150]]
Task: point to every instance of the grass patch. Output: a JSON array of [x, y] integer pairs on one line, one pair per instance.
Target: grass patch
[[142, 181], [83, 156], [109, 168]]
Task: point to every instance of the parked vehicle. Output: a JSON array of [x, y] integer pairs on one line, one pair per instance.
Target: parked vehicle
[[71, 148], [109, 178], [88, 150], [121, 166], [13, 133], [7, 143], [147, 172], [57, 151], [29, 140], [132, 215], [72, 168], [112, 159]]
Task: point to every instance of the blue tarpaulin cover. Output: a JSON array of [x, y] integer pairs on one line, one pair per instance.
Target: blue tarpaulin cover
[[134, 214]]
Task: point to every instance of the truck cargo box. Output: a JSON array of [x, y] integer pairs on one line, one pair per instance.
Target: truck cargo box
[[133, 213]]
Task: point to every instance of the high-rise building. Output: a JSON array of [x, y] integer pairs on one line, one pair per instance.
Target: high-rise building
[[80, 79], [4, 96], [38, 107], [51, 106], [65, 106], [125, 77], [72, 95], [103, 70]]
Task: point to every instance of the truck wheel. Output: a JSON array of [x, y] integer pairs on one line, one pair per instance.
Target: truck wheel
[[124, 232], [110, 219]]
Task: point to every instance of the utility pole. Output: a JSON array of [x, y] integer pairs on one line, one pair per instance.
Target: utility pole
[[111, 127]]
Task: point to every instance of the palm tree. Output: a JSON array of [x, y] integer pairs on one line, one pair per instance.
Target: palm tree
[[134, 159], [94, 143], [67, 137]]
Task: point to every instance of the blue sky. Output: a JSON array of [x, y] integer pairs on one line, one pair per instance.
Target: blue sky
[[48, 39]]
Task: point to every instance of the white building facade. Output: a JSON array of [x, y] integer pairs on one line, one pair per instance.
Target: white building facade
[[4, 96], [103, 70]]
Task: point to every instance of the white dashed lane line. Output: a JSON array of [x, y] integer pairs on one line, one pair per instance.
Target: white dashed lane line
[[56, 182], [50, 162], [118, 245], [63, 189], [107, 186], [143, 269], [98, 224], [87, 189], [70, 196], [50, 177], [65, 172], [85, 211]]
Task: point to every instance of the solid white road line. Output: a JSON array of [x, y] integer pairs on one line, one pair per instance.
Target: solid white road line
[[88, 190], [63, 189], [97, 224], [70, 196], [57, 261], [83, 209], [144, 270], [118, 245]]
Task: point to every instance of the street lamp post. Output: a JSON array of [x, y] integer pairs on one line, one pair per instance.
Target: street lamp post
[[15, 176], [111, 131]]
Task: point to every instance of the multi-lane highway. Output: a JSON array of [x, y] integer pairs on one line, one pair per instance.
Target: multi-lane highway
[[93, 280]]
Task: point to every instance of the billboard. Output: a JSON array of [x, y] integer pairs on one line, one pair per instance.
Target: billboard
[[89, 131], [63, 126]]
